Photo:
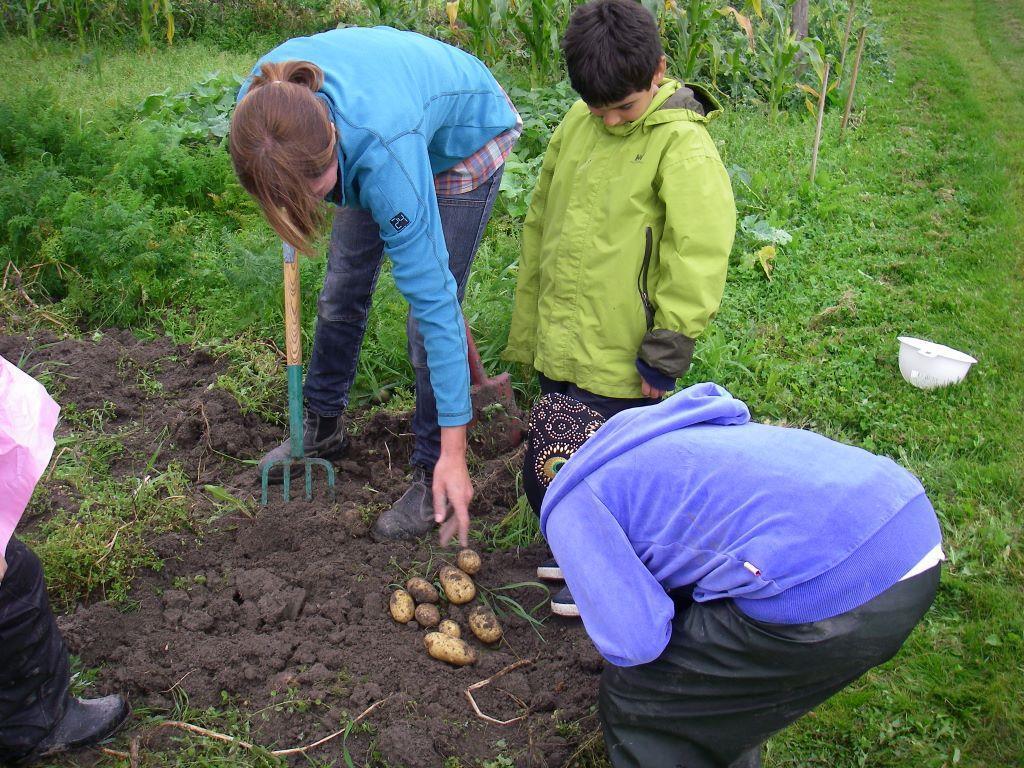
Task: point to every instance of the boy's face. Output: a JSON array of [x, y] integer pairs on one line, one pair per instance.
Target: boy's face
[[632, 106]]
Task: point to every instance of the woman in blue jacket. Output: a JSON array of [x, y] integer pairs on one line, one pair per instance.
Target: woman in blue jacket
[[407, 136], [734, 574]]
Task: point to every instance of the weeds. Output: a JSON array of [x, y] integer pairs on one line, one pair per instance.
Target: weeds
[[504, 604], [95, 551], [520, 527]]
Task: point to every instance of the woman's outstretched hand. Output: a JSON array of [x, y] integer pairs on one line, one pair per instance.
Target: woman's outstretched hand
[[453, 490]]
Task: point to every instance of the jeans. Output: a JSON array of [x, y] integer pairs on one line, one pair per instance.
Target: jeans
[[353, 266], [726, 682]]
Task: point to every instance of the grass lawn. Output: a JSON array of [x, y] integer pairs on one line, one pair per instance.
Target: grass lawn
[[919, 231], [914, 227]]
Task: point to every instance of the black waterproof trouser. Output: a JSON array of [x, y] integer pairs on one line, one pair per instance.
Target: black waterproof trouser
[[726, 682], [34, 672]]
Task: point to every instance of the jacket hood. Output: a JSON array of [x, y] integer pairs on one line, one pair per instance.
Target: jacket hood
[[705, 403], [674, 102]]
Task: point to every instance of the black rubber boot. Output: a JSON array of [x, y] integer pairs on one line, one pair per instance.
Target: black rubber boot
[[413, 514], [323, 437], [85, 722]]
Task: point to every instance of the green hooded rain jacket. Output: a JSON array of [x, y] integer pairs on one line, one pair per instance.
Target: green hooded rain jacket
[[580, 313]]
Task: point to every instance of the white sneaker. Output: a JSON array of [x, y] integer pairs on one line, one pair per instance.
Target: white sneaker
[[549, 571], [562, 604]]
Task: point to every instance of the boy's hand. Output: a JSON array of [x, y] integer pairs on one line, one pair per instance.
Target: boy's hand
[[650, 391], [3, 568]]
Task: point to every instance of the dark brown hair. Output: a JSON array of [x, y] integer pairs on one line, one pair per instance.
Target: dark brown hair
[[612, 49], [282, 139]]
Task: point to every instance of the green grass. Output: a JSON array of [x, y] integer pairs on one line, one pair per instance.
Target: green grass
[[107, 78], [914, 227], [94, 553]]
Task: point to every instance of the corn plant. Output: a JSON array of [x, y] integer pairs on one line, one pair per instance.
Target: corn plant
[[394, 13], [690, 35], [474, 23], [149, 12], [541, 23], [81, 11], [773, 56], [30, 8], [777, 50], [816, 55]]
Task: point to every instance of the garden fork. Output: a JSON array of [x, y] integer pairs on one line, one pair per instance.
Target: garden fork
[[293, 352]]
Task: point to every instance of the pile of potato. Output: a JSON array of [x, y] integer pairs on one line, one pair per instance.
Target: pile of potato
[[419, 600]]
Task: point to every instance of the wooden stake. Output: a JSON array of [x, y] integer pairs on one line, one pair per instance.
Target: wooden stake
[[853, 82], [821, 115], [846, 36]]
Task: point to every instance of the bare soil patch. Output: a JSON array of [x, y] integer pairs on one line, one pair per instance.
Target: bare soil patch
[[284, 616]]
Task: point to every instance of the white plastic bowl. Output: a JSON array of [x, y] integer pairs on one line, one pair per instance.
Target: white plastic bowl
[[928, 365]]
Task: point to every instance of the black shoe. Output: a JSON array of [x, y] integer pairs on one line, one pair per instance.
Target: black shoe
[[550, 571], [323, 437], [413, 514], [85, 722], [562, 604]]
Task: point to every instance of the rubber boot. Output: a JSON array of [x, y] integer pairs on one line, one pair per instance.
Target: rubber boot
[[85, 722], [322, 438]]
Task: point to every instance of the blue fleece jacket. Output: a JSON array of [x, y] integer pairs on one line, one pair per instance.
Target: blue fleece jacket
[[790, 525], [407, 108]]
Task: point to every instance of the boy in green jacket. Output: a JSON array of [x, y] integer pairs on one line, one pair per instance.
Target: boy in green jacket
[[628, 234]]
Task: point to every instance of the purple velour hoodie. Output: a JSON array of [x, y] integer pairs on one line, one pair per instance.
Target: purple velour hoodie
[[792, 526]]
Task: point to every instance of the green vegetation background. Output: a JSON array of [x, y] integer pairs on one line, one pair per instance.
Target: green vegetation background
[[115, 212]]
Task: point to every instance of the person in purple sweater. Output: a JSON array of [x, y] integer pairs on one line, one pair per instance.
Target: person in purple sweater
[[734, 574]]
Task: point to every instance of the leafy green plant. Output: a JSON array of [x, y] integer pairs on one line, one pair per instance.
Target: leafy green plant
[[541, 24], [201, 113], [541, 109], [481, 20], [691, 37], [517, 184]]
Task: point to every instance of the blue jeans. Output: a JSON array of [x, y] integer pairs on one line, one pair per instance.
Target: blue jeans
[[353, 266]]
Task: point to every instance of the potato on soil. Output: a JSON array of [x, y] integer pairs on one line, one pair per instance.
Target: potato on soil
[[449, 628], [422, 591], [468, 561], [427, 615], [401, 606], [484, 624], [451, 649], [457, 585]]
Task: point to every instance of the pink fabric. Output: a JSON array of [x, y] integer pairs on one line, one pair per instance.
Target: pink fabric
[[28, 416]]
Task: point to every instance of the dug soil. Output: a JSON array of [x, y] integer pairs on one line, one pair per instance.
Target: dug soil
[[280, 612]]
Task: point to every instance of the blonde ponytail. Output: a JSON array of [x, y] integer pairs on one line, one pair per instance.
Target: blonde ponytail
[[304, 73], [281, 140]]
